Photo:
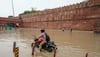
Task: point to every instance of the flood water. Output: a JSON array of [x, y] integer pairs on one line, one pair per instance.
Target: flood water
[[70, 43]]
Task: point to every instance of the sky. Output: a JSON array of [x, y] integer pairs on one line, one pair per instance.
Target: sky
[[22, 5]]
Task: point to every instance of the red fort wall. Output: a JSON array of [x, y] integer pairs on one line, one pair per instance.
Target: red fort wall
[[81, 16]]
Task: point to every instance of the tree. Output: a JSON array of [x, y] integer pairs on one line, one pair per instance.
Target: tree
[[10, 16], [33, 10], [25, 12]]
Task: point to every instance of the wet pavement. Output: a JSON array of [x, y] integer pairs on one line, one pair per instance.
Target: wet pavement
[[70, 44]]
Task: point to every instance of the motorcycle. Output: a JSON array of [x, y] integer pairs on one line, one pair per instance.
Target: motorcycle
[[48, 46]]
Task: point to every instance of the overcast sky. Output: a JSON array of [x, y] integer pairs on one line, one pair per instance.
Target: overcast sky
[[22, 5]]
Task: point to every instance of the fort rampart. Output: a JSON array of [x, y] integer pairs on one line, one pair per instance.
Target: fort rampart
[[80, 16]]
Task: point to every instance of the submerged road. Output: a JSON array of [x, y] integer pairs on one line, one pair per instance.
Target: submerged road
[[64, 49]]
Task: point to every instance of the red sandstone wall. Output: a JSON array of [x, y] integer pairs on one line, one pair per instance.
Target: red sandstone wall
[[4, 21], [83, 24], [79, 16]]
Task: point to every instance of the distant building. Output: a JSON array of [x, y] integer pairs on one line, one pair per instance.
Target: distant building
[[4, 21]]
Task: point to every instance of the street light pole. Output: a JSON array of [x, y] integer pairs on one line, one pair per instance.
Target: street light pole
[[13, 8]]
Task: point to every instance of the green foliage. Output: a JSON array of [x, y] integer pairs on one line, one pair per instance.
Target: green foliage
[[30, 11], [10, 16], [25, 12]]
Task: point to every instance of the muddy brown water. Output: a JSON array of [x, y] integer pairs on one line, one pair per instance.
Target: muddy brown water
[[70, 43]]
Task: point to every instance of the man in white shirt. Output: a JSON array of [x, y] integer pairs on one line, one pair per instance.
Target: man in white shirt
[[41, 39]]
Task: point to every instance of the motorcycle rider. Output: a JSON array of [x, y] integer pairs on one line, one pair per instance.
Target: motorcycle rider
[[42, 38]]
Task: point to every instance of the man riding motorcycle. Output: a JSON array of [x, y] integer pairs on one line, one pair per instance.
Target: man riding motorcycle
[[42, 38]]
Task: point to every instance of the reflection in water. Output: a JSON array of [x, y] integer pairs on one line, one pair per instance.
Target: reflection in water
[[74, 44]]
